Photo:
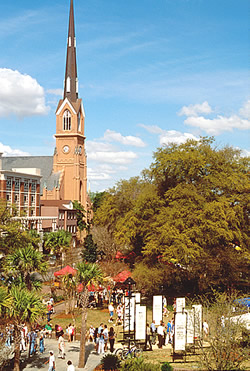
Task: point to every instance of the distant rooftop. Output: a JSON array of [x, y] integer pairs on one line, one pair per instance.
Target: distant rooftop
[[44, 163]]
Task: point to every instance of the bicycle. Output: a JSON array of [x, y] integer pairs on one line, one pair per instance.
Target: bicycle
[[124, 353]]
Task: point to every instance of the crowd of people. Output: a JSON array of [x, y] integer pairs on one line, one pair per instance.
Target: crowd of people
[[102, 337]]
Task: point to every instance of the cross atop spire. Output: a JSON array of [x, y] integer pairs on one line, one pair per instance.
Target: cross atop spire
[[71, 81]]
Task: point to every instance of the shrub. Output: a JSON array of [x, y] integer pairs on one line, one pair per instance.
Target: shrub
[[139, 364], [110, 362], [166, 367]]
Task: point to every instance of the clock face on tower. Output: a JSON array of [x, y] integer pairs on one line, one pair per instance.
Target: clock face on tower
[[66, 149]]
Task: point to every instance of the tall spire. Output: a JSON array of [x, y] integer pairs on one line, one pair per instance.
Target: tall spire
[[71, 82]]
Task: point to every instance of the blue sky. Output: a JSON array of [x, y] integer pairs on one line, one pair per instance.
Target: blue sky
[[150, 71]]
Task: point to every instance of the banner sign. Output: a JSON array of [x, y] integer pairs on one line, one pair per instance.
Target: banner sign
[[140, 322], [137, 297], [157, 309], [197, 320], [180, 331], [180, 304], [129, 313], [190, 326]]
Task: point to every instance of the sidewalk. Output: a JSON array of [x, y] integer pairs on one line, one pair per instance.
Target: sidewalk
[[36, 362]]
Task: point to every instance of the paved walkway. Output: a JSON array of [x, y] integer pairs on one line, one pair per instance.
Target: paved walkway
[[72, 353]]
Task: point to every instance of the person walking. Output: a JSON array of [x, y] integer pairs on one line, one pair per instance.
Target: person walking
[[153, 332], [61, 346], [111, 339], [148, 337], [111, 311], [160, 332], [51, 361], [101, 343], [106, 336], [41, 342]]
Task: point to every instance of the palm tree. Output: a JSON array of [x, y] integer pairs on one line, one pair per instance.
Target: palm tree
[[22, 262], [26, 306], [57, 242], [88, 273]]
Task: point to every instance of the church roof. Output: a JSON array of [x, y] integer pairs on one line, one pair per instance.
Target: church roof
[[44, 163]]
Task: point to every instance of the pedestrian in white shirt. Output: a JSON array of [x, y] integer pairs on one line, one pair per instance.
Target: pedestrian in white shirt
[[160, 333], [71, 367], [51, 361]]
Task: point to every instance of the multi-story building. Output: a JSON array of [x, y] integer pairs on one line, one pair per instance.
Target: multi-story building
[[21, 189]]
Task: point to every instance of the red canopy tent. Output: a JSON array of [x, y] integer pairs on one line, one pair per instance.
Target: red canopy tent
[[90, 288], [65, 270], [122, 276]]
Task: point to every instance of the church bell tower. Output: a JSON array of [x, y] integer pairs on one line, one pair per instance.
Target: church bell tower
[[69, 157]]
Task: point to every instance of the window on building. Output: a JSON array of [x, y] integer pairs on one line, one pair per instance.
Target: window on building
[[26, 185], [67, 120], [32, 199], [17, 184], [33, 187], [8, 183], [8, 197]]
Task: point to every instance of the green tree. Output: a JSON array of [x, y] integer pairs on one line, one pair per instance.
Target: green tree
[[24, 261], [90, 251], [97, 199], [58, 242], [26, 306], [82, 222], [190, 207], [87, 273]]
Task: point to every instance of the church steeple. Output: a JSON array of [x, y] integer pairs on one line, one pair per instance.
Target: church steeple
[[71, 82]]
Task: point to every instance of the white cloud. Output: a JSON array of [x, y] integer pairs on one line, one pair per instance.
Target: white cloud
[[8, 151], [57, 92], [168, 136], [245, 153], [96, 174], [173, 136], [20, 95], [118, 157], [153, 129], [92, 145], [195, 109], [245, 110], [219, 124], [129, 140]]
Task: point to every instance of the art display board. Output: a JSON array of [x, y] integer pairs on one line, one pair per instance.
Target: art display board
[[197, 320], [157, 309], [180, 331], [129, 312], [140, 322], [190, 326], [137, 297], [180, 304]]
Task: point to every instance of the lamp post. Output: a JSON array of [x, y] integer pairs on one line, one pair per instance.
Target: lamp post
[[129, 282]]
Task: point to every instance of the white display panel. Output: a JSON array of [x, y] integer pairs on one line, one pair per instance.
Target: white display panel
[[180, 331], [157, 309], [140, 322], [129, 312], [180, 304], [190, 326]]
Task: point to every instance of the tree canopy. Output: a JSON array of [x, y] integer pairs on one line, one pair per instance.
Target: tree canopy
[[190, 208]]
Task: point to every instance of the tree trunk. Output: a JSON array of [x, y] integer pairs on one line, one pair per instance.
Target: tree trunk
[[84, 303], [17, 339]]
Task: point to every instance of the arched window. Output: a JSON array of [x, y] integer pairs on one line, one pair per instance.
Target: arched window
[[67, 120]]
